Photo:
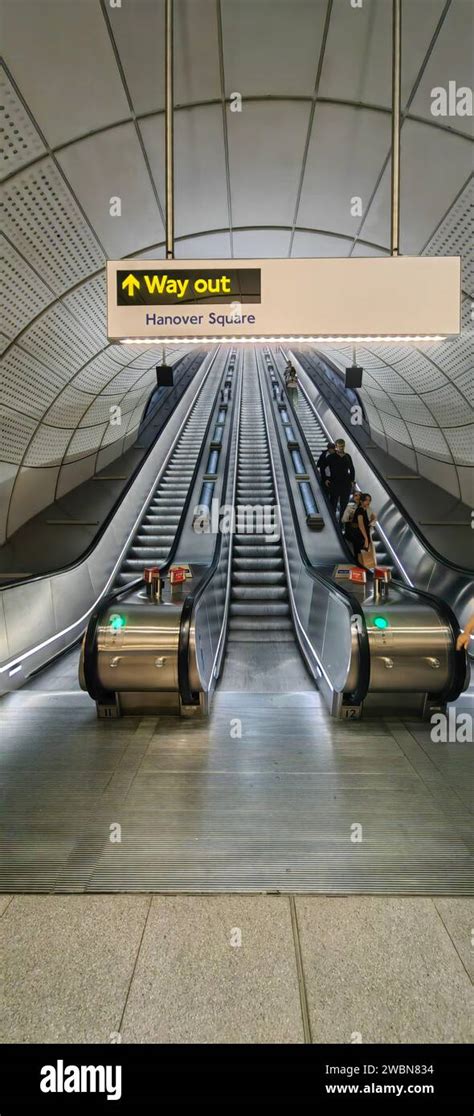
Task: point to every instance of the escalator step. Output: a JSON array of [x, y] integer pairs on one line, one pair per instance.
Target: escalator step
[[260, 545], [259, 577], [260, 635], [164, 501], [169, 487], [145, 553], [265, 595], [270, 550], [166, 525], [138, 563], [253, 623], [255, 564], [156, 521], [265, 610], [256, 495]]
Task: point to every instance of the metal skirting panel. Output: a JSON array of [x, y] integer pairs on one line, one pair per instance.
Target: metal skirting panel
[[264, 796]]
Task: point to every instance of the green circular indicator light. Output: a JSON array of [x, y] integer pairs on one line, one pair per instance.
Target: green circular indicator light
[[380, 622], [117, 621]]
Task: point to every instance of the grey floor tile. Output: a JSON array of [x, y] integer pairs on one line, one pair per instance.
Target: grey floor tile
[[4, 902], [384, 968], [458, 918], [69, 962], [192, 985]]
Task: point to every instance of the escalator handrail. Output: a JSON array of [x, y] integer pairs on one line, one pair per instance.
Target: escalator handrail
[[337, 591], [90, 641], [434, 554], [302, 437], [85, 554], [187, 695]]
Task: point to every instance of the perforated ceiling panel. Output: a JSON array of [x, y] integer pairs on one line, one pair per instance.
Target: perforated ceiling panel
[[17, 431], [20, 142], [28, 386], [95, 376], [461, 442], [383, 401], [23, 294], [88, 306], [412, 407], [99, 411], [391, 380], [419, 370], [85, 441], [465, 383], [373, 414], [114, 434], [128, 377], [448, 406], [274, 179], [47, 447], [430, 441], [455, 236], [68, 408], [395, 428], [44, 222], [60, 341]]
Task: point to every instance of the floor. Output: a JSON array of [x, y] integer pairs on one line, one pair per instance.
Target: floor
[[268, 795], [236, 969], [135, 851]]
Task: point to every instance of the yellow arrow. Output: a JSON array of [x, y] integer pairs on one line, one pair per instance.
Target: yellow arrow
[[129, 283]]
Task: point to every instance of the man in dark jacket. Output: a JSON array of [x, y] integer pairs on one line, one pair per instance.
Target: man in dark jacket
[[341, 477], [323, 459]]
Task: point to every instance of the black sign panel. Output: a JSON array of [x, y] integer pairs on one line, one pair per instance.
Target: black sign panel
[[164, 375], [165, 287]]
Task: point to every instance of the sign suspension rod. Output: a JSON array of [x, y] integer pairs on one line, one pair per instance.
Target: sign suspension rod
[[169, 128], [396, 98]]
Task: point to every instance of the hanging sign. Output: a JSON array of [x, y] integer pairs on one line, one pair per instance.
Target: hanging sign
[[301, 299]]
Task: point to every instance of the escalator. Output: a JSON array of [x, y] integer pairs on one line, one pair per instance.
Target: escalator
[[165, 532], [398, 541], [260, 608], [157, 530]]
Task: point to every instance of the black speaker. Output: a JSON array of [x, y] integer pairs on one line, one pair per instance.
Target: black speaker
[[164, 375], [353, 377]]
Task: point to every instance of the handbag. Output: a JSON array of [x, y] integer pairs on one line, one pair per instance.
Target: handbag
[[367, 558]]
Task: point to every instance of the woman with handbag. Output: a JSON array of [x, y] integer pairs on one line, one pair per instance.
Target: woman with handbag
[[360, 533]]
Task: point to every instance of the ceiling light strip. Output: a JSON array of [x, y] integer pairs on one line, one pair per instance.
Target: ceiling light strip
[[322, 340]]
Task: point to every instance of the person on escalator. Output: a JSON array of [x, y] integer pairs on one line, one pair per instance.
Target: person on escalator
[[291, 378], [360, 533], [347, 519], [341, 477], [322, 462], [353, 504]]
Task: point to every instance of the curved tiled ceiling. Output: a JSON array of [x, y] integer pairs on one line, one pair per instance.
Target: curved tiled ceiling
[[83, 96]]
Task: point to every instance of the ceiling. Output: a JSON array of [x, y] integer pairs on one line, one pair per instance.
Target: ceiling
[[83, 97]]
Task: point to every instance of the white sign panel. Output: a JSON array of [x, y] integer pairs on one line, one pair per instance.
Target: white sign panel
[[254, 300]]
